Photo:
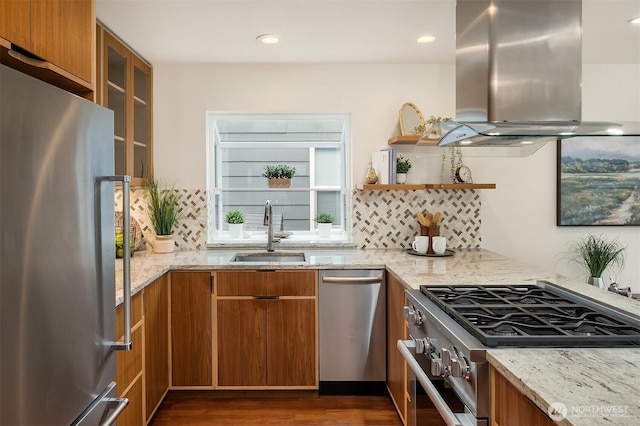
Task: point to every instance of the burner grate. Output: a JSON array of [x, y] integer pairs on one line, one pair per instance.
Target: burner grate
[[527, 315]]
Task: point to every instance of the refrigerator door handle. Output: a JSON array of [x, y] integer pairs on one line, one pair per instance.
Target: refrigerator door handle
[[121, 405], [125, 345]]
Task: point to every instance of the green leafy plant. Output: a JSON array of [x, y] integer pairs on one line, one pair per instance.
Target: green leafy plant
[[433, 120], [324, 218], [279, 171], [598, 253], [403, 165], [234, 216], [163, 207]]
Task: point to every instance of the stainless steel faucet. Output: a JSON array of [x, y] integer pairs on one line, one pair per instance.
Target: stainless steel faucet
[[268, 221]]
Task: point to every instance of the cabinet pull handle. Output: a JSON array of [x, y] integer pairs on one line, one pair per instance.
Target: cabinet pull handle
[[352, 280], [27, 60], [266, 297]]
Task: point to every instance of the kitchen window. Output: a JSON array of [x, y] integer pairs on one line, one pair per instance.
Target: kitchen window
[[240, 145]]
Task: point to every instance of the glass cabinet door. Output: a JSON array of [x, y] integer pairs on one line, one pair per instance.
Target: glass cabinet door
[[115, 99], [141, 114]]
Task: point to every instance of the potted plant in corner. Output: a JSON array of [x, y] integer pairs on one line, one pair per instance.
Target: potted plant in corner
[[279, 175], [325, 223], [597, 254], [403, 165], [235, 219], [163, 212]]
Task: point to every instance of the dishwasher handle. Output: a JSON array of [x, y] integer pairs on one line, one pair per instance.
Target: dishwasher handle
[[352, 280]]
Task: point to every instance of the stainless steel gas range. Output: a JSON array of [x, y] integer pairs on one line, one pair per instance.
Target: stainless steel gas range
[[451, 327]]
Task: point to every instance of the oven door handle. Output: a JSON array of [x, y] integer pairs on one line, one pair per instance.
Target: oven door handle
[[405, 346]]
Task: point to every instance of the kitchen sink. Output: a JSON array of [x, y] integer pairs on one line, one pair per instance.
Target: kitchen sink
[[268, 256]]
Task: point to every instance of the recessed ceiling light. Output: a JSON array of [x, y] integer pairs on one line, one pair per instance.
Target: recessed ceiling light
[[268, 39], [426, 39], [635, 20]]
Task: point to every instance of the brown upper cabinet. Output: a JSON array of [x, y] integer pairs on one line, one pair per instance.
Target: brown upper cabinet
[[125, 86], [53, 40]]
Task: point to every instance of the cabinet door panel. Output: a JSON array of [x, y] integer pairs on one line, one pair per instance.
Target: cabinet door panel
[[191, 329], [63, 33], [292, 283], [396, 330], [15, 22], [291, 337], [156, 322], [241, 342], [241, 283], [132, 415]]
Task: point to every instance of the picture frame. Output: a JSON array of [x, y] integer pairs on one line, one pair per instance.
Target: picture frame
[[598, 181]]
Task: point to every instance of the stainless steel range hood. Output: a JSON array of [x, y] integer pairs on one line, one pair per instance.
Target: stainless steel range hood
[[519, 76]]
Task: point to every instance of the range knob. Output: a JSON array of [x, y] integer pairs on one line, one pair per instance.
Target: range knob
[[460, 367], [445, 356], [425, 346], [413, 315], [436, 367]]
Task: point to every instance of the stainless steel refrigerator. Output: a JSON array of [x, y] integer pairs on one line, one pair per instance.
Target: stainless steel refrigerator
[[57, 258]]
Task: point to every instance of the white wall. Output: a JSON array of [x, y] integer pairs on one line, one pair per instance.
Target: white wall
[[518, 218]]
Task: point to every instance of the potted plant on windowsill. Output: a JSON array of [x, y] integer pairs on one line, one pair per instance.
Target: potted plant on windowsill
[[325, 223], [279, 175], [597, 254], [235, 219], [403, 165], [163, 212]]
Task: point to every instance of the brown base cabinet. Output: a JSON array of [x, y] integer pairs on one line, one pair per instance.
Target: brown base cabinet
[[156, 353], [267, 328], [510, 407], [397, 329], [191, 334], [129, 374]]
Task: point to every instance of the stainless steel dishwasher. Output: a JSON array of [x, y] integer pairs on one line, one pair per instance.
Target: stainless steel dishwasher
[[352, 331]]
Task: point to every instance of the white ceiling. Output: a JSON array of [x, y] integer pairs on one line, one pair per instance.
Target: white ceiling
[[331, 31]]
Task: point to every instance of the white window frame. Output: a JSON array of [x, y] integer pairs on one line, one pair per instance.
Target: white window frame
[[340, 235]]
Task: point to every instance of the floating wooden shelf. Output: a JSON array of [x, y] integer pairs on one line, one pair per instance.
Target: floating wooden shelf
[[421, 186], [410, 140]]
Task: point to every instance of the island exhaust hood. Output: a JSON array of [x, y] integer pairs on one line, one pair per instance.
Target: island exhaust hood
[[518, 78]]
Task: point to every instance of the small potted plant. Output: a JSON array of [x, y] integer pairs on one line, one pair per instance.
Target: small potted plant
[[279, 175], [325, 223], [597, 254], [235, 219], [403, 165], [163, 212]]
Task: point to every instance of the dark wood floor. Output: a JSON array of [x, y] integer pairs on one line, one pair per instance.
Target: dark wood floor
[[196, 408]]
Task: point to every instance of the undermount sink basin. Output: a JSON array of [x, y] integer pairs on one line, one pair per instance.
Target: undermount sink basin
[[275, 256]]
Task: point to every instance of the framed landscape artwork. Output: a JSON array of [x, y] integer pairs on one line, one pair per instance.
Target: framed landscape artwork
[[598, 181]]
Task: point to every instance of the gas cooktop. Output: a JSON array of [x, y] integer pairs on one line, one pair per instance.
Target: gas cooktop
[[534, 315]]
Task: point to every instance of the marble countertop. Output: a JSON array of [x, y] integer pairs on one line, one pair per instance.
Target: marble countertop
[[581, 379]]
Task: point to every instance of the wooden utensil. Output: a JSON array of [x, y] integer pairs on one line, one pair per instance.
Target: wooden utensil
[[437, 218], [429, 220]]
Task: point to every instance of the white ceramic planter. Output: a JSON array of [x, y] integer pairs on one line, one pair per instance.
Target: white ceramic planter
[[164, 244], [235, 230], [325, 229], [401, 177]]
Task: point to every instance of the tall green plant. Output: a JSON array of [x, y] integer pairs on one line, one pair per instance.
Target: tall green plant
[[163, 207], [597, 253]]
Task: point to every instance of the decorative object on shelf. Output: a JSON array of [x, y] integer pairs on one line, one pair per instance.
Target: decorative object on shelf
[[325, 223], [463, 175], [410, 117], [430, 226], [432, 130], [235, 219], [371, 177], [597, 182], [597, 253], [455, 162], [403, 165], [163, 212], [279, 175]]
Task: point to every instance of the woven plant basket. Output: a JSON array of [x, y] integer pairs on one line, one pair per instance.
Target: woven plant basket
[[279, 183]]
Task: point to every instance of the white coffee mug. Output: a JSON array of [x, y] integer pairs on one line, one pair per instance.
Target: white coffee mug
[[439, 244], [420, 244]]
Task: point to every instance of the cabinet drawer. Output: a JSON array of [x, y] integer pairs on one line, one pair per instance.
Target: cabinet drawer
[[129, 363], [266, 283]]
